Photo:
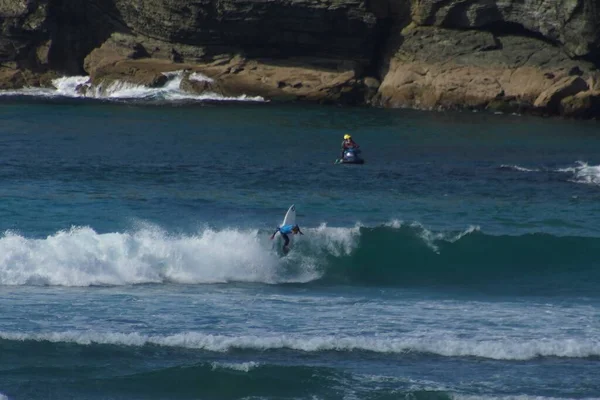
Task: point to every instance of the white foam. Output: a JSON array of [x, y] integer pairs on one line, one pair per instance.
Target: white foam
[[430, 238], [395, 224], [333, 240], [443, 345], [63, 87], [584, 173], [82, 257], [72, 87], [69, 86], [243, 367], [32, 92], [581, 172], [519, 168], [3, 397], [197, 76]]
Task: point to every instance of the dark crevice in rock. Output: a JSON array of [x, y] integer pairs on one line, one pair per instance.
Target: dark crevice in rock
[[25, 56], [458, 15], [76, 28], [438, 5], [20, 35], [383, 31], [592, 57], [392, 16], [503, 28]]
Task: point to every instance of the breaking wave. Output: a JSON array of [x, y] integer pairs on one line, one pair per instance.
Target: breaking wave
[[445, 345], [394, 254]]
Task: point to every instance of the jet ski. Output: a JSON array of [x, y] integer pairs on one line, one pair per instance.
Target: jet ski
[[350, 157]]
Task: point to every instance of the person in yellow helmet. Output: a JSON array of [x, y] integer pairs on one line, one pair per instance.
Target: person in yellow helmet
[[348, 143]]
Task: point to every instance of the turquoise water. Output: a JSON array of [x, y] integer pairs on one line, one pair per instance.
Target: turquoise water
[[460, 261]]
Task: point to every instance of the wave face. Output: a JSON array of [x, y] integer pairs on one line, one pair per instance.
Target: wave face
[[123, 374], [413, 255], [394, 254]]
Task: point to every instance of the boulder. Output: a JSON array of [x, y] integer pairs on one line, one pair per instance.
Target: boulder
[[549, 100], [582, 105], [11, 78], [23, 26], [319, 80], [439, 68]]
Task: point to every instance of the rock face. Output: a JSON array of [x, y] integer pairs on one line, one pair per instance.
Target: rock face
[[340, 28], [572, 23], [24, 33], [440, 68], [512, 55]]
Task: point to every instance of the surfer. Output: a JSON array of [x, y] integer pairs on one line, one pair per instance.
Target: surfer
[[348, 143], [284, 231]]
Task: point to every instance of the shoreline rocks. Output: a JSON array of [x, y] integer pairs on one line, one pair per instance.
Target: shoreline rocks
[[506, 55], [436, 68]]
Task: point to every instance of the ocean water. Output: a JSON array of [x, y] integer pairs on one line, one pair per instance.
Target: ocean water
[[459, 262]]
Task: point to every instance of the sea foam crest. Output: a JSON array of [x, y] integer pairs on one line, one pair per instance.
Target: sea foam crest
[[395, 224], [243, 367], [82, 257], [584, 173], [430, 238], [448, 347], [519, 168], [581, 172], [333, 240]]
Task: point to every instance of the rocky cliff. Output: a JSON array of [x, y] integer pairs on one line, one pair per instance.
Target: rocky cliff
[[537, 56]]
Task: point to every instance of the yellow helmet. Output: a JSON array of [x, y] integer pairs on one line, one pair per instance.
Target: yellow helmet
[[346, 137]]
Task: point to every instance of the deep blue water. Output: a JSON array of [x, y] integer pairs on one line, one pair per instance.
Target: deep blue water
[[460, 261]]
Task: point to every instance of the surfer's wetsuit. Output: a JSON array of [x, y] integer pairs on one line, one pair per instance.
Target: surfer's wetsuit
[[285, 230]]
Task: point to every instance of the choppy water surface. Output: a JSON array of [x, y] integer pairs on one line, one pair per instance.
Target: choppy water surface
[[135, 263]]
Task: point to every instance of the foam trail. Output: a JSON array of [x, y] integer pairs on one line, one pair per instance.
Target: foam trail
[[519, 168], [515, 349]]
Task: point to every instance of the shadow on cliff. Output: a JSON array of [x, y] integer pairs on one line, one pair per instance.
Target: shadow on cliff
[[392, 16], [76, 28]]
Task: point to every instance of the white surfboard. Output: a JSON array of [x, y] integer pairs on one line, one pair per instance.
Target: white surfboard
[[290, 216]]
